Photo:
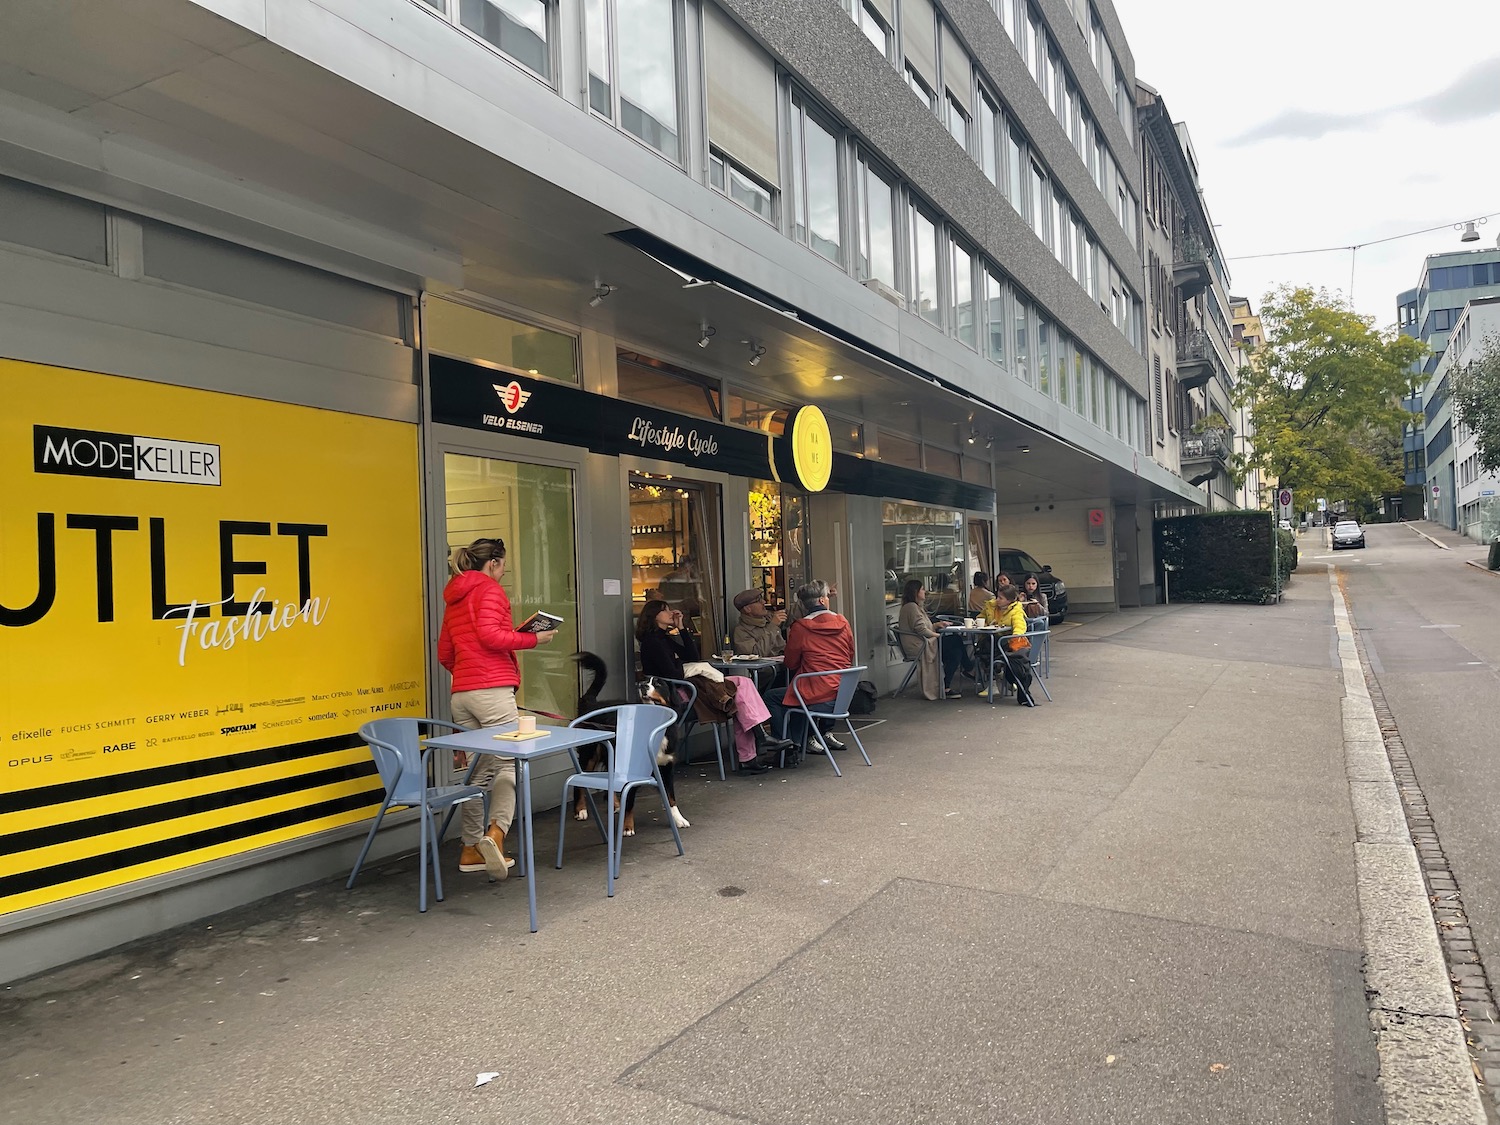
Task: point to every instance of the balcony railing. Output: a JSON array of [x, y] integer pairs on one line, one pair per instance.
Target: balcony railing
[[1191, 271], [1210, 445]]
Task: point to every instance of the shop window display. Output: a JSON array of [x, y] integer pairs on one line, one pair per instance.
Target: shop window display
[[675, 551], [778, 541], [923, 543]]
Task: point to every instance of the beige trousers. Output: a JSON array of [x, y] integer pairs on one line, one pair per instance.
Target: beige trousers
[[488, 707]]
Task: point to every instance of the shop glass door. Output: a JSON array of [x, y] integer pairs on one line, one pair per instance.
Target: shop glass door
[[530, 507], [676, 539]]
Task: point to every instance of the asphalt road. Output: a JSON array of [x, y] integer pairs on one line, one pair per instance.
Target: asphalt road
[[1431, 627]]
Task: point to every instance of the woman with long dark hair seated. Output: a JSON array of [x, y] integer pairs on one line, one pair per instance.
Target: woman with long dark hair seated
[[668, 650], [921, 641]]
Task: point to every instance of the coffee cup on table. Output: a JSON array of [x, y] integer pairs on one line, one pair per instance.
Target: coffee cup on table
[[526, 724]]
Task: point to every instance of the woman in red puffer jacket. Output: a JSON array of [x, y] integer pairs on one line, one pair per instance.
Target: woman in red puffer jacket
[[478, 645]]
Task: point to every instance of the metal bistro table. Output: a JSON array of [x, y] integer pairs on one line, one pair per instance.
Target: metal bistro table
[[557, 740], [752, 668], [994, 633]]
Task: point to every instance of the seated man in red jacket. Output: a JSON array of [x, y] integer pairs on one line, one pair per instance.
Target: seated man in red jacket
[[819, 640]]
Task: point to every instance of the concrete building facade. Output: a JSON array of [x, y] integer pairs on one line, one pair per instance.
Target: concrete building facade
[[677, 297]]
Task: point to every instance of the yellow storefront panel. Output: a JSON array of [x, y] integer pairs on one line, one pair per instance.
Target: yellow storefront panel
[[202, 597]]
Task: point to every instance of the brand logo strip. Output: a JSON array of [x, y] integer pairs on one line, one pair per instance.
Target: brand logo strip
[[47, 795], [98, 453]]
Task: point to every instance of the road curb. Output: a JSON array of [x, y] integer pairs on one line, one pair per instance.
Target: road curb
[[1435, 542], [1481, 567], [1426, 1073]]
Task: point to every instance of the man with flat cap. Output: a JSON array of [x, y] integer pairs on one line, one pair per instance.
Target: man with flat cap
[[759, 630]]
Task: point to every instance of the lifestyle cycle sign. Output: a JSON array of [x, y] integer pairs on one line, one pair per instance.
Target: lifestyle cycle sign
[[477, 397]]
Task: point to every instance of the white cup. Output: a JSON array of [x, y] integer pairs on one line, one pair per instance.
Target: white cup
[[526, 724]]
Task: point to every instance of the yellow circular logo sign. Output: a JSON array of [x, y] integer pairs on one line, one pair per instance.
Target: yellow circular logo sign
[[812, 449]]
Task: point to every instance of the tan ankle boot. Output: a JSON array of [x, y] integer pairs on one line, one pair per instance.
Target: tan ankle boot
[[470, 860], [492, 848]]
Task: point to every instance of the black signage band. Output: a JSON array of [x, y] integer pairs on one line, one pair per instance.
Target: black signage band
[[482, 398]]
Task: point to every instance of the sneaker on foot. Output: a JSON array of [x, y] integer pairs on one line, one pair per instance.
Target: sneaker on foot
[[469, 860], [490, 847]]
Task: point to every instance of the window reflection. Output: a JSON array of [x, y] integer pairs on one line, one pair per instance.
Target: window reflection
[[877, 227], [648, 71], [925, 267], [517, 27], [816, 219]]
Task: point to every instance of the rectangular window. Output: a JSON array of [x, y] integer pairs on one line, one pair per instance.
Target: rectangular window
[[925, 297], [1049, 82], [817, 219], [1036, 44], [741, 100], [740, 186], [1062, 356], [1005, 9], [996, 320], [1022, 349], [1080, 382], [963, 295], [1096, 401], [876, 26], [1037, 204], [958, 123], [919, 44], [1101, 165], [1015, 187], [647, 34], [1090, 267], [1109, 406], [521, 29], [958, 82], [1044, 355], [47, 220], [1055, 238], [596, 41], [469, 333], [877, 226], [988, 152]]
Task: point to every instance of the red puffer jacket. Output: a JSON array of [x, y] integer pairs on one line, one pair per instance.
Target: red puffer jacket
[[478, 642]]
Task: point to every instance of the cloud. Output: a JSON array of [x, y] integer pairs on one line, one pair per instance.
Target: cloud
[[1475, 94]]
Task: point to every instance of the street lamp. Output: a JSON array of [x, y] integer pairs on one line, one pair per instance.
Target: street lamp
[[1470, 233]]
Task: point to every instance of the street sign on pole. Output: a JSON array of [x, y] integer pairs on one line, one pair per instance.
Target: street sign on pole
[[1284, 504], [1437, 490]]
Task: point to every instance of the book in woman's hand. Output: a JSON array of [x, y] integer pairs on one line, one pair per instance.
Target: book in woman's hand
[[539, 622]]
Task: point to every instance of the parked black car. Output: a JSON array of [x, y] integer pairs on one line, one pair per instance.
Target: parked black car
[[1346, 533], [1016, 562]]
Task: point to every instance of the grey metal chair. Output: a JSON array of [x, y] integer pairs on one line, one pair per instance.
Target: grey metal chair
[[1039, 633], [639, 728], [893, 637], [691, 722], [837, 710], [396, 746]]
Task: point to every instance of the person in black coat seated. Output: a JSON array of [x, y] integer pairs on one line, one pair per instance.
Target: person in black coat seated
[[667, 647]]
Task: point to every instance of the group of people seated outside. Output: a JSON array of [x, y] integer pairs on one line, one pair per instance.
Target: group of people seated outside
[[942, 656], [818, 640]]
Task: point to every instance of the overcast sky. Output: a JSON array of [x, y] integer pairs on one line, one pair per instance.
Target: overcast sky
[[1329, 123]]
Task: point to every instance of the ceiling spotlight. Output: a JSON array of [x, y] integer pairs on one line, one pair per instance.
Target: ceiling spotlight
[[756, 351], [837, 378], [1470, 234], [973, 436], [708, 333], [1025, 449], [601, 291], [989, 441]]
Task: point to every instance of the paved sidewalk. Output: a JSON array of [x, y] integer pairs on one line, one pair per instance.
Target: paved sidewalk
[[1135, 904], [1460, 547]]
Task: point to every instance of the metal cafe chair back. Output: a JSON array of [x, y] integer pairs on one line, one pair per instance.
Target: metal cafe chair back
[[639, 728], [402, 760], [837, 711]]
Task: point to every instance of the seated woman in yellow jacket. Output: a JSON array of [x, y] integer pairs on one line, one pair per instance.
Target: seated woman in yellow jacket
[[1004, 610]]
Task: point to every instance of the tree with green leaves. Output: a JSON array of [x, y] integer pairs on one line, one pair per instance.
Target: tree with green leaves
[[1476, 401], [1324, 392]]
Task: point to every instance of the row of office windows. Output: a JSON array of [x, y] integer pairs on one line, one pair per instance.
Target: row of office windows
[[814, 180], [1462, 277], [633, 79], [940, 72]]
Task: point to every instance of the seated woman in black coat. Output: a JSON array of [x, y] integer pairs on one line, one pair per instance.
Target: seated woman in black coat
[[667, 646]]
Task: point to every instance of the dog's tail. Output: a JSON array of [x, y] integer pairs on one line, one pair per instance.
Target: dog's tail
[[599, 676]]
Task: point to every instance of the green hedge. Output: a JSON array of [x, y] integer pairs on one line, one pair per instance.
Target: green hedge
[[1223, 556]]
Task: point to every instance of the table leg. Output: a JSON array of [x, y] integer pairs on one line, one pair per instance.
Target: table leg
[[527, 844], [994, 683]]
